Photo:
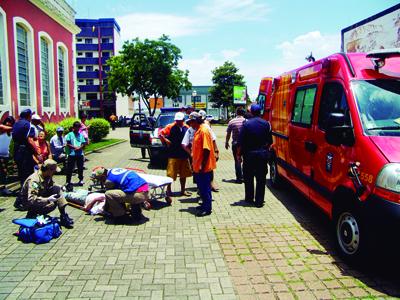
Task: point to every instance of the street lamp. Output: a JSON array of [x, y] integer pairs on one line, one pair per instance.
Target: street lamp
[[194, 94]]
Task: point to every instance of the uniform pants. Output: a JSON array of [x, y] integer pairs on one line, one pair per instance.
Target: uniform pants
[[25, 164], [116, 200], [79, 159], [238, 164], [255, 164], [36, 210], [203, 181]]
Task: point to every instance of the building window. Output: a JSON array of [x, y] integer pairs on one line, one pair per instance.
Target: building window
[[88, 54], [105, 40], [89, 68], [23, 66], [106, 68], [105, 81], [80, 67], [91, 96], [80, 80], [79, 40], [89, 81], [106, 54], [61, 77], [88, 41], [79, 53], [45, 71]]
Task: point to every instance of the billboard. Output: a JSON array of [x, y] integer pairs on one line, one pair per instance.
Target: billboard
[[239, 95], [381, 31]]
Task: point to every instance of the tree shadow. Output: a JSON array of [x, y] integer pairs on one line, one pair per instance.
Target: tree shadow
[[379, 270]]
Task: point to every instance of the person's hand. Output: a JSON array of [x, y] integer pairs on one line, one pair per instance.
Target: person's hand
[[216, 155], [226, 145], [53, 198]]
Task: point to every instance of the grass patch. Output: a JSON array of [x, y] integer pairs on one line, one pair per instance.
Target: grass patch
[[103, 143]]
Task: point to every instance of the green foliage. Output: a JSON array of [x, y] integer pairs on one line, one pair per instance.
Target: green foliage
[[148, 68], [50, 130], [224, 78], [99, 129], [67, 124]]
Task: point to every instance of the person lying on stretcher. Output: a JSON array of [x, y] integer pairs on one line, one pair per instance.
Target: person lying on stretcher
[[123, 186]]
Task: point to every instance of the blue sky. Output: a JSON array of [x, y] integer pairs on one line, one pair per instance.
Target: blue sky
[[262, 37]]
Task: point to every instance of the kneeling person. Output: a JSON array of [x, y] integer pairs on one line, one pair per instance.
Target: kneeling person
[[124, 186], [42, 196]]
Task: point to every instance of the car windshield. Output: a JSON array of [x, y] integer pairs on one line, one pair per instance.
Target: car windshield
[[164, 120], [378, 102]]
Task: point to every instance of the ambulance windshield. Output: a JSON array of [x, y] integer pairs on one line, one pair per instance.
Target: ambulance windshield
[[379, 106]]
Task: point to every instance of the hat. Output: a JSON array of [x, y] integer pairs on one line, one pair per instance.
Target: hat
[[36, 117], [255, 108], [97, 172], [203, 114], [60, 129], [25, 113], [195, 116], [51, 164], [179, 116]]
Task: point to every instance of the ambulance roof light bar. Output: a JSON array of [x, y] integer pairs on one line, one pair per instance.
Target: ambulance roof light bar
[[378, 57]]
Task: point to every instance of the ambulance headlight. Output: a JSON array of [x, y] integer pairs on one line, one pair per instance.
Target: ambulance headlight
[[389, 177]]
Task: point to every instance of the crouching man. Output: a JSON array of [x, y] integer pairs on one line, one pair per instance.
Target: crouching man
[[41, 196], [124, 187]]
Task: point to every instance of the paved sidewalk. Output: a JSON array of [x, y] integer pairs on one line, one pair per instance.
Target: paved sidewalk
[[282, 251]]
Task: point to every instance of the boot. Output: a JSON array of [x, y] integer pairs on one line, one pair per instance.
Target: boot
[[136, 213], [66, 221]]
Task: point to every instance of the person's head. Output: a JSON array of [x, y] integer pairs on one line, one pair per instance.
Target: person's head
[[197, 120], [9, 121], [76, 126], [189, 109], [100, 174], [179, 118], [36, 119], [41, 136], [60, 131], [255, 110], [240, 111], [83, 118], [203, 114], [26, 114], [49, 168]]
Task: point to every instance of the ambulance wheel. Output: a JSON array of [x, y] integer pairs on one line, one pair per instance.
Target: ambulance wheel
[[274, 177], [350, 235]]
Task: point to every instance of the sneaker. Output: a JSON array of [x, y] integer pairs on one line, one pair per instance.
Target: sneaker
[[203, 213], [80, 183], [259, 205], [66, 221], [6, 192]]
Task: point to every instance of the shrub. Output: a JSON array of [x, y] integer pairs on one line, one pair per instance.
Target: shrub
[[50, 130], [67, 124], [99, 129]]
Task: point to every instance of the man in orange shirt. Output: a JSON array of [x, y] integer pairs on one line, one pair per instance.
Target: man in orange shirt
[[204, 162]]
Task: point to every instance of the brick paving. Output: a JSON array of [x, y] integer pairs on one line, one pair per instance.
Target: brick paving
[[282, 251]]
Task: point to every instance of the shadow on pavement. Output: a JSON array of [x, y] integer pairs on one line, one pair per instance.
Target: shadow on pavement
[[191, 210], [157, 204], [380, 270], [189, 200], [231, 181], [242, 203]]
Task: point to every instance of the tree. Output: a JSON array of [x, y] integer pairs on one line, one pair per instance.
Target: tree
[[148, 68], [224, 78]]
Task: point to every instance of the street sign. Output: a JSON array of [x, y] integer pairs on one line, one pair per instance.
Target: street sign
[[239, 95], [199, 105]]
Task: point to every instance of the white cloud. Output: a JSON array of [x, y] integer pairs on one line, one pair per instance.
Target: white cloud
[[229, 54], [200, 68], [153, 25], [233, 10]]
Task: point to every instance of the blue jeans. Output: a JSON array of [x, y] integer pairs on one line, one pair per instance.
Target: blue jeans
[[203, 181]]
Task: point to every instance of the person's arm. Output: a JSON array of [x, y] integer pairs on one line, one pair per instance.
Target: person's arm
[[185, 142], [4, 128], [216, 150], [227, 138], [33, 195], [69, 143], [49, 150]]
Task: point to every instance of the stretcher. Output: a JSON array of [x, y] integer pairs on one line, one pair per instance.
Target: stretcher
[[157, 186]]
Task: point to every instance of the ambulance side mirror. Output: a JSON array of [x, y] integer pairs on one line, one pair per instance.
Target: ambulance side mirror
[[337, 132]]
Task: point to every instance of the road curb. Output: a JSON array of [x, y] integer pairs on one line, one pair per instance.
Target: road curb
[[15, 185]]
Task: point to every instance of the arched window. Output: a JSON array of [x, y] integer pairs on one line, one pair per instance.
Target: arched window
[[63, 90], [24, 51], [46, 70]]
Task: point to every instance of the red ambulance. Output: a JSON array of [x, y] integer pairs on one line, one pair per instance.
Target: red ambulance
[[336, 131]]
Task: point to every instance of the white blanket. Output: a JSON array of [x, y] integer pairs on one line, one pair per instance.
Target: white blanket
[[155, 180]]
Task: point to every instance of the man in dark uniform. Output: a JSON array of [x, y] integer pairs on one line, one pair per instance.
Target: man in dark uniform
[[254, 140], [23, 134]]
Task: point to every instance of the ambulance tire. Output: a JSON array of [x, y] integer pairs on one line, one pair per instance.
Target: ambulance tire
[[350, 233], [274, 178]]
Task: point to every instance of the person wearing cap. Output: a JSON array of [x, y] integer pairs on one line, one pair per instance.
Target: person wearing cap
[[23, 135], [254, 140], [41, 195], [204, 162], [178, 159], [57, 145], [123, 187], [37, 124]]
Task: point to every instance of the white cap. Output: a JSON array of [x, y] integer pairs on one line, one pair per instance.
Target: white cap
[[203, 114], [179, 116], [36, 117]]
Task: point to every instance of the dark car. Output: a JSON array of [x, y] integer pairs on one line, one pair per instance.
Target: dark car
[[158, 151], [140, 131]]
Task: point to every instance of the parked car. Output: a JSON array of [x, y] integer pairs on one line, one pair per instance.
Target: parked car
[[158, 151], [140, 132]]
